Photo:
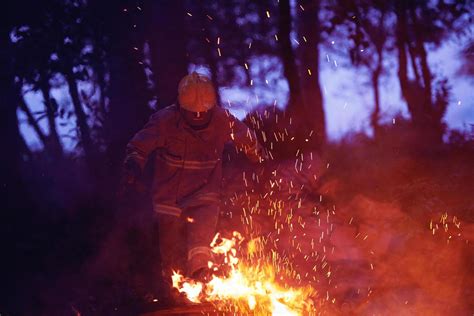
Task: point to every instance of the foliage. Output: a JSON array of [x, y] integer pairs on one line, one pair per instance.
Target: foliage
[[113, 63]]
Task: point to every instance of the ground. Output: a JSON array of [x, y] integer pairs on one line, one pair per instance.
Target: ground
[[375, 230]]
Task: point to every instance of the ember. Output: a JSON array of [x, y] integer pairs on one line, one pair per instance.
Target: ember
[[241, 286]]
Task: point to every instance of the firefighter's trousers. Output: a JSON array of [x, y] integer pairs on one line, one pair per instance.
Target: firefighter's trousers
[[185, 240]]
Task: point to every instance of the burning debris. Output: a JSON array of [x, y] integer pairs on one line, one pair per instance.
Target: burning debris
[[244, 285]]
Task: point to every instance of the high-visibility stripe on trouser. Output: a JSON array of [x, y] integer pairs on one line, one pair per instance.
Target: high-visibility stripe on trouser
[[200, 250]]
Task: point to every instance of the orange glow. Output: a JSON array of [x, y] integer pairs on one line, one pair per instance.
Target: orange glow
[[242, 287]]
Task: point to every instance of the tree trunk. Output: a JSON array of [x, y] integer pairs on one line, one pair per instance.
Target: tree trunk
[[54, 143], [214, 69], [417, 93], [414, 65], [407, 87], [31, 120], [81, 118], [290, 70], [375, 116], [425, 70], [13, 191], [100, 75], [168, 48], [128, 94], [309, 26], [210, 53]]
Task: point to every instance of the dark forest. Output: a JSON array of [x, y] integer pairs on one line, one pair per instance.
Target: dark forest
[[378, 221]]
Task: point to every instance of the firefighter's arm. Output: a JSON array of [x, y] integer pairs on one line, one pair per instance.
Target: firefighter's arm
[[245, 139], [148, 139]]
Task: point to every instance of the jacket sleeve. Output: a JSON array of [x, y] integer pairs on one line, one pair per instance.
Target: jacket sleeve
[[149, 138], [243, 137]]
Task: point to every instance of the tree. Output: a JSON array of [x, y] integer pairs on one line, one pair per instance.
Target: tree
[[295, 103], [60, 37], [419, 23], [32, 121], [127, 90], [14, 193], [9, 131], [228, 38], [167, 38], [36, 36], [310, 35], [369, 35]]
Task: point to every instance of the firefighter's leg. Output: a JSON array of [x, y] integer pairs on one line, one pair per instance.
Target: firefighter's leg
[[172, 240], [201, 227]]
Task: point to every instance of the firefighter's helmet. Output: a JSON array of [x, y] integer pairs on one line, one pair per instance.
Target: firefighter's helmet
[[196, 93]]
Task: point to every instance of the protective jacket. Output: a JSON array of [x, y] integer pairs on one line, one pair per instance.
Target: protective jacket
[[188, 162]]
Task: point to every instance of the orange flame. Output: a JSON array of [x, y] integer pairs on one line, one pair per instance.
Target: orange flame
[[245, 287]]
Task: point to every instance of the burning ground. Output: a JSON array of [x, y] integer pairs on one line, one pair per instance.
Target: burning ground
[[368, 234], [370, 229], [373, 230]]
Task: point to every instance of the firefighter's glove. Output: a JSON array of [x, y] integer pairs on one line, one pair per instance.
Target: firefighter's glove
[[130, 178]]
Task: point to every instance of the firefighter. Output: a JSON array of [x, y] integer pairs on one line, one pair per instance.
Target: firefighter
[[187, 141]]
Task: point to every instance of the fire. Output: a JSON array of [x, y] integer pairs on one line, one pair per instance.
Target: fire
[[243, 287], [190, 288]]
